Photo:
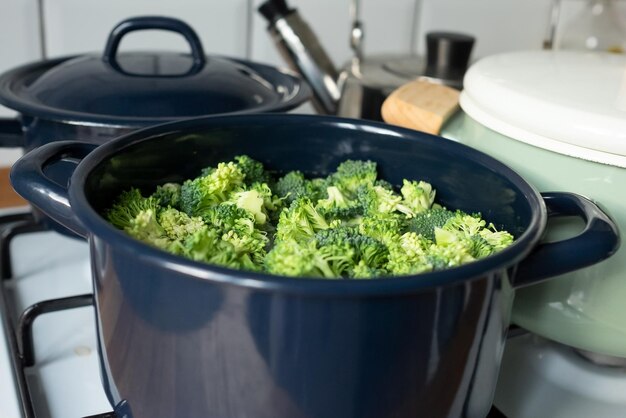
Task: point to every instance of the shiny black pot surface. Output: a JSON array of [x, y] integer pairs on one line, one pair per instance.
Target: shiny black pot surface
[[178, 338]]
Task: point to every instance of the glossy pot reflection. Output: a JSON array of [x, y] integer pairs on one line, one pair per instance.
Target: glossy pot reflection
[[178, 338]]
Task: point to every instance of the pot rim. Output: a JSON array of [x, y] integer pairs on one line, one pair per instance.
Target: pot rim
[[98, 227], [9, 98]]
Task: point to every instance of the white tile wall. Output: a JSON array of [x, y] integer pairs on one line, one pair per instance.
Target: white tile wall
[[498, 25], [77, 26], [233, 27]]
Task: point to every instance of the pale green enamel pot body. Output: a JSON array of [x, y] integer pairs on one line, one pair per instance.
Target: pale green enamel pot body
[[585, 309]]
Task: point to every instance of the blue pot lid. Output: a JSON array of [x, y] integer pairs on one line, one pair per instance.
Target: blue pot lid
[[148, 87]]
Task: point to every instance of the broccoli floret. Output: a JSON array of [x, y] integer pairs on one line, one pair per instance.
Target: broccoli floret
[[351, 175], [292, 258], [293, 186], [407, 255], [418, 196], [337, 206], [377, 199], [469, 231], [300, 221], [127, 206], [271, 202], [227, 216], [168, 195], [469, 225], [177, 225], [363, 271], [385, 227], [318, 188], [253, 171], [424, 223], [145, 227], [202, 243], [350, 247], [203, 192], [449, 251], [497, 239], [251, 201]]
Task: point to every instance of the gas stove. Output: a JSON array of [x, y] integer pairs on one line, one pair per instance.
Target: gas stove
[[49, 338]]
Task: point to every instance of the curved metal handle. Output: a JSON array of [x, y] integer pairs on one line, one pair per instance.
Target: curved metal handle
[[30, 181], [153, 22], [599, 240], [11, 133]]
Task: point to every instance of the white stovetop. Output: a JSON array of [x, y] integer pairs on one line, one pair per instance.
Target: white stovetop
[[48, 265]]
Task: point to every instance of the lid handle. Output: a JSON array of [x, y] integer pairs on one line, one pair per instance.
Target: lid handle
[[153, 22]]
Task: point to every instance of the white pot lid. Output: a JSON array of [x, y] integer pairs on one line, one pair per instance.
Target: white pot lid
[[571, 102]]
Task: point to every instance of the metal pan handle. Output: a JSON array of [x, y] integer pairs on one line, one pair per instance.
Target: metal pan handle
[[598, 240], [154, 22], [11, 133], [30, 181]]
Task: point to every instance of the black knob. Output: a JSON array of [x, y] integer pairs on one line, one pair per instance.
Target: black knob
[[273, 10], [447, 55]]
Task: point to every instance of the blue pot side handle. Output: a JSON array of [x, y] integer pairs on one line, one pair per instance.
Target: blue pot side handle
[[11, 133], [154, 22], [598, 240], [29, 180]]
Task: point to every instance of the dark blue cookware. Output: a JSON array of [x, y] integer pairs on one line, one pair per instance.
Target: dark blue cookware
[[178, 338], [97, 97]]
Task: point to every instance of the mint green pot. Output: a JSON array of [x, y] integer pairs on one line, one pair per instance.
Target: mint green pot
[[585, 309]]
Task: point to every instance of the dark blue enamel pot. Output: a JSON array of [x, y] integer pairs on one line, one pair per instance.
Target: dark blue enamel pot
[[178, 338], [97, 97]]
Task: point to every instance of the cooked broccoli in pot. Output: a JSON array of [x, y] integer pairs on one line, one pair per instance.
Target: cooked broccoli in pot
[[348, 225]]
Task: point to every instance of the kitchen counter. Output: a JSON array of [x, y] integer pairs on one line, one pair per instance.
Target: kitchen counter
[[8, 197]]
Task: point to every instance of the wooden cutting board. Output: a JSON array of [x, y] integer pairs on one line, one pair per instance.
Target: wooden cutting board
[[8, 197], [421, 105]]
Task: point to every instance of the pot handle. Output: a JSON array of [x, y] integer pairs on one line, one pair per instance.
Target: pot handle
[[153, 22], [598, 240], [30, 181], [11, 133]]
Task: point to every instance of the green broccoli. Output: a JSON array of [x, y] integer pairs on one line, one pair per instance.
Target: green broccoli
[[377, 199], [424, 223], [127, 206], [351, 175], [385, 227], [177, 225], [292, 258], [348, 225], [253, 171], [202, 192], [300, 221], [294, 185], [351, 248], [407, 255], [418, 196], [168, 195], [338, 206]]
